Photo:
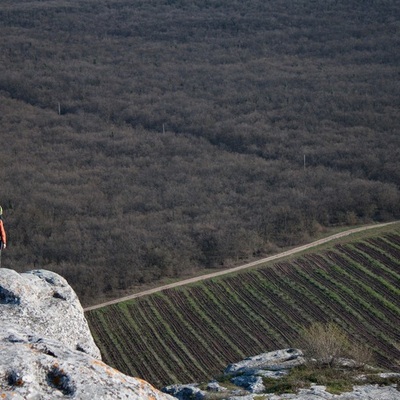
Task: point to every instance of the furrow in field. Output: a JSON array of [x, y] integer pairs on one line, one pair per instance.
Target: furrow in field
[[365, 275], [308, 307], [147, 346], [226, 308], [366, 284], [263, 320], [272, 306], [104, 340], [345, 293], [393, 238], [334, 309], [386, 261], [372, 320], [201, 355], [210, 322], [233, 333], [160, 339], [385, 246], [147, 354], [389, 271], [365, 295], [232, 300], [209, 334], [275, 288], [149, 358], [117, 330]]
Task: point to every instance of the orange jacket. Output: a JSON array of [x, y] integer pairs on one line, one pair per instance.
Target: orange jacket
[[3, 236]]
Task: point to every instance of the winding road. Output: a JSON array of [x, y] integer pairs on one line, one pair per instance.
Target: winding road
[[240, 267]]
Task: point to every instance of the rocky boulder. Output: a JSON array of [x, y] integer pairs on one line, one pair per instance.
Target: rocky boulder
[[46, 348], [272, 361]]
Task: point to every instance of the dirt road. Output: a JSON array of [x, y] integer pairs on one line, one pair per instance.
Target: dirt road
[[240, 267]]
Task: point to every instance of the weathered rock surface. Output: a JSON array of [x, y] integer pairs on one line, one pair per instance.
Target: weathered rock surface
[[190, 391], [367, 392], [272, 361], [247, 376], [46, 348], [44, 304]]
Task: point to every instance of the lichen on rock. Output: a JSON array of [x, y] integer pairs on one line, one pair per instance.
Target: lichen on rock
[[46, 348]]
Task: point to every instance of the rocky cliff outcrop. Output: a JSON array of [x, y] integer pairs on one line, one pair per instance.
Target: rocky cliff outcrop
[[46, 348]]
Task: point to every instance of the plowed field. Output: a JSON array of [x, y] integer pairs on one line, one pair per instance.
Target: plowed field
[[192, 332]]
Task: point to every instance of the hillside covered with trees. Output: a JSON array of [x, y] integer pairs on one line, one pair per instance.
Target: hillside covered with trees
[[148, 139]]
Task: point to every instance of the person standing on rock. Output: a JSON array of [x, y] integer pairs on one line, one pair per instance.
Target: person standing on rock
[[3, 236]]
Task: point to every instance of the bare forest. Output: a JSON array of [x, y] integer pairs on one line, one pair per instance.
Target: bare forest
[[143, 140]]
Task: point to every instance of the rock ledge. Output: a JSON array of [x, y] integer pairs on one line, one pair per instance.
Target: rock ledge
[[46, 349]]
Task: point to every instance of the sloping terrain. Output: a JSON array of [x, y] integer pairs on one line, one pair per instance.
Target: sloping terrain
[[143, 140], [192, 332], [275, 257]]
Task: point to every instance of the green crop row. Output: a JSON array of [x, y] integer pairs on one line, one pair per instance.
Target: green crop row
[[190, 333]]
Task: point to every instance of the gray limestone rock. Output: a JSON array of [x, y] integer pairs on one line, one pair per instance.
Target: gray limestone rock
[[272, 361], [43, 303], [183, 392], [214, 386], [253, 384], [46, 349], [366, 392]]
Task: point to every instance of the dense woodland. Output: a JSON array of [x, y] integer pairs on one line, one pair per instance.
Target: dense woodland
[[150, 139]]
